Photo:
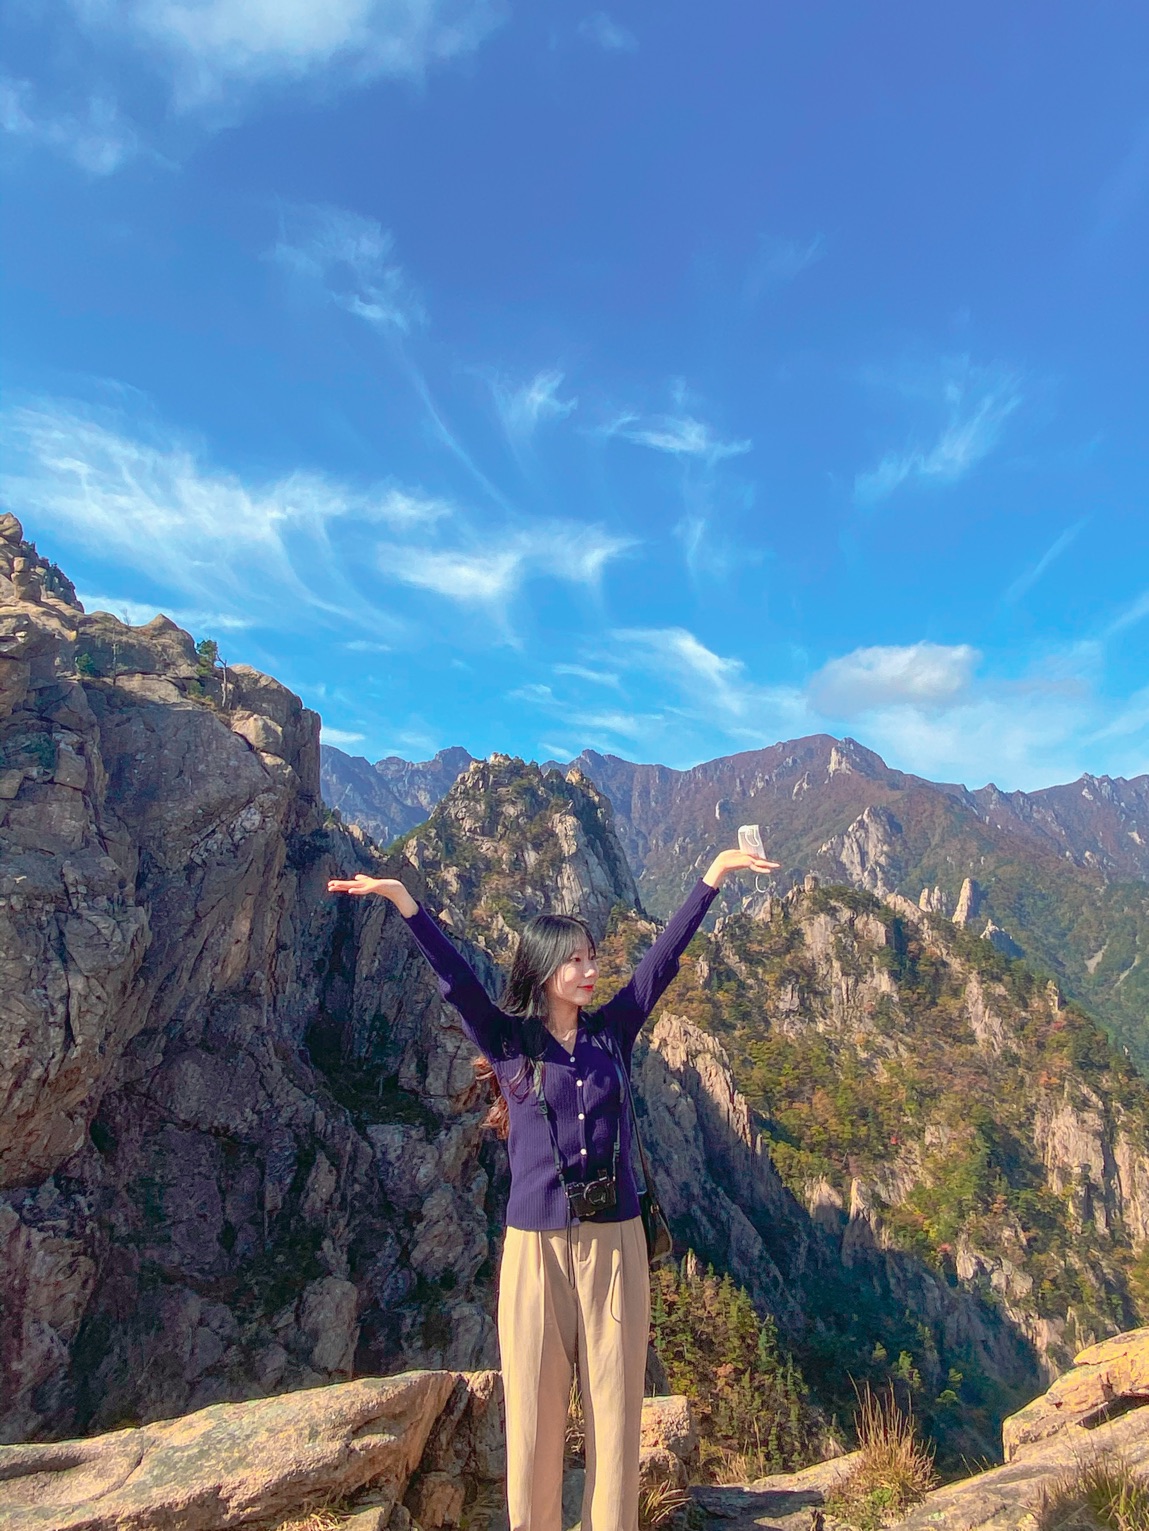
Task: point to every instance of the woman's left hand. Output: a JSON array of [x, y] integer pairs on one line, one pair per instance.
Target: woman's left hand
[[736, 861]]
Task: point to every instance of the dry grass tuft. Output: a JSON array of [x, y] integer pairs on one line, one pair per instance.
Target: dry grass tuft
[[1103, 1494], [895, 1468], [660, 1503], [316, 1520], [574, 1439]]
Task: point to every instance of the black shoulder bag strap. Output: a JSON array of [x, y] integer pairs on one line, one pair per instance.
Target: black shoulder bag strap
[[659, 1240]]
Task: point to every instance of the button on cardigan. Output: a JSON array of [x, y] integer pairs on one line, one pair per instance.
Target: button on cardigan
[[581, 1087]]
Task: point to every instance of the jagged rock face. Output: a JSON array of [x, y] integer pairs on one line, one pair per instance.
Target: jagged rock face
[[867, 851], [971, 901], [715, 1179], [242, 1143], [197, 1043], [393, 795], [510, 841]]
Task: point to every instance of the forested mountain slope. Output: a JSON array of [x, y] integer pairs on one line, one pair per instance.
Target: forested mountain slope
[[1062, 871]]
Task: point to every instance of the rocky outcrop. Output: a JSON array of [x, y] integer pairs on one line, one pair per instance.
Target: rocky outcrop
[[1104, 1380], [715, 1178], [230, 1464], [508, 842], [1010, 1498], [241, 1148], [419, 1448], [866, 854], [971, 900]]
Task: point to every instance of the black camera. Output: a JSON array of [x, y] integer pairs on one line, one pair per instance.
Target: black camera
[[589, 1198]]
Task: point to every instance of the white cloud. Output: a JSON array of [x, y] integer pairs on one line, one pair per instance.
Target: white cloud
[[215, 50], [522, 409], [1023, 734], [679, 435], [1026, 581], [707, 553], [481, 577], [98, 138], [349, 259], [610, 730], [339, 737], [977, 402], [402, 508], [608, 34], [492, 574], [919, 674], [1136, 611]]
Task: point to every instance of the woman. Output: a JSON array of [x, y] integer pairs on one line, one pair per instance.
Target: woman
[[574, 1284]]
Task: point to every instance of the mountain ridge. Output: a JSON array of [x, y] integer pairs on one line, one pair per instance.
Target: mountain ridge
[[1061, 874]]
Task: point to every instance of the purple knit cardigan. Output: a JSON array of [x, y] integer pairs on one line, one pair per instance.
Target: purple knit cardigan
[[582, 1088]]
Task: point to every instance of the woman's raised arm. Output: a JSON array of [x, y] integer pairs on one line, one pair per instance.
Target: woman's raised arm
[[636, 999], [459, 985]]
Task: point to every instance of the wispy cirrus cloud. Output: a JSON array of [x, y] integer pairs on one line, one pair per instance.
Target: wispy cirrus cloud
[[133, 491], [1025, 581], [601, 29], [215, 60], [976, 402], [97, 137], [714, 686], [527, 406], [708, 552], [678, 435], [349, 260], [492, 572], [585, 672], [215, 52], [340, 737]]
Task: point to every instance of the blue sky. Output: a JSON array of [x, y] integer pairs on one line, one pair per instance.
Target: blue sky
[[666, 379]]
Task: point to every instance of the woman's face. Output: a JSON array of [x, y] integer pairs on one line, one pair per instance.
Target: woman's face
[[574, 980]]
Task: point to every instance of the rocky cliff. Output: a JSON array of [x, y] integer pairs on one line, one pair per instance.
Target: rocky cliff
[[207, 1063]]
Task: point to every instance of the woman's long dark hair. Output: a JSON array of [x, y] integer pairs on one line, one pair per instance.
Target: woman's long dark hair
[[545, 943]]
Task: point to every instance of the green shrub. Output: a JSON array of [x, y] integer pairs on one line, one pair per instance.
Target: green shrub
[[749, 1399]]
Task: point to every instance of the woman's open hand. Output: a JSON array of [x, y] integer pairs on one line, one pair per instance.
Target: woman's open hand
[[387, 887], [736, 861]]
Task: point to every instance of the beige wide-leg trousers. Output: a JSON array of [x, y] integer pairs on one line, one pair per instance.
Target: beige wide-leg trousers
[[586, 1302]]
